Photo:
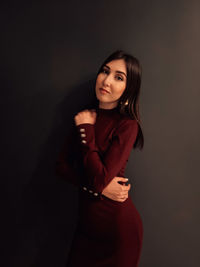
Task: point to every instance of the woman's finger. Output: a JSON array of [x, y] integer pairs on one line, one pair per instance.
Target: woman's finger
[[126, 188], [124, 194], [122, 199]]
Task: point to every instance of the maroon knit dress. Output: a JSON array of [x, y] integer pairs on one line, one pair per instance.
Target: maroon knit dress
[[109, 233]]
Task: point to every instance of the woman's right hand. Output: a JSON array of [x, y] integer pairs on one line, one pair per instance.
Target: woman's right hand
[[116, 191]]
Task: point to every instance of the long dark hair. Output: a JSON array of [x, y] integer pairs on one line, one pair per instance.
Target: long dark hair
[[131, 92]]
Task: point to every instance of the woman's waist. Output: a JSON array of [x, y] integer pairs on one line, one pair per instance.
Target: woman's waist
[[96, 209], [87, 199]]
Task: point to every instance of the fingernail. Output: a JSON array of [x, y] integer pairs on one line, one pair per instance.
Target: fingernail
[[126, 179]]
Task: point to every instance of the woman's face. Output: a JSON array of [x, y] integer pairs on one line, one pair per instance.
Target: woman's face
[[111, 83]]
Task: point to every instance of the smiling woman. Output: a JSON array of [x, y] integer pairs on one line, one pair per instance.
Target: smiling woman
[[109, 231]]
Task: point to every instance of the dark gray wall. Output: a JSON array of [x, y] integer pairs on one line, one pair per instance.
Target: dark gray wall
[[50, 55]]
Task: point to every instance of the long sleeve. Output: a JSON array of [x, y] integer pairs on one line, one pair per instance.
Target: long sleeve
[[65, 163], [101, 170]]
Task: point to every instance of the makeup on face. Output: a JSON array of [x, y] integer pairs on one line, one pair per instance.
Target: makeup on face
[[111, 82]]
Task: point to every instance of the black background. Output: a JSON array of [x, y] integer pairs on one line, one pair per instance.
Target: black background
[[50, 53]]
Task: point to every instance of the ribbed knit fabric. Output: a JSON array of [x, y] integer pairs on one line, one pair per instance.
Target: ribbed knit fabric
[[109, 233]]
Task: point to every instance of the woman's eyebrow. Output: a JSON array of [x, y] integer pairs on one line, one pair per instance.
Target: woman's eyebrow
[[118, 71]]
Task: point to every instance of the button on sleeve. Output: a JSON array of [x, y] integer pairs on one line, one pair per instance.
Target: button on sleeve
[[87, 136]]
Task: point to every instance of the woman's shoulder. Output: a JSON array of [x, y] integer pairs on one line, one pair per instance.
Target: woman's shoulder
[[126, 122], [126, 118]]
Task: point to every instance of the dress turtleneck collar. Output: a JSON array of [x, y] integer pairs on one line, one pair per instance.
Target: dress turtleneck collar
[[107, 110]]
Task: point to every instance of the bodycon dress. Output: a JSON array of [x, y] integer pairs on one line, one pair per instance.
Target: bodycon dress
[[108, 233]]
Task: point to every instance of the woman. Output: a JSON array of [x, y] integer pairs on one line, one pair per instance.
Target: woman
[[109, 231]]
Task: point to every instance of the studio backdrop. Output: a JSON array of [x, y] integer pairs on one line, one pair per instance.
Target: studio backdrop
[[50, 54]]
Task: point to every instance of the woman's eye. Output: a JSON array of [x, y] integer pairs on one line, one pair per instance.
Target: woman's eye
[[120, 78], [104, 71]]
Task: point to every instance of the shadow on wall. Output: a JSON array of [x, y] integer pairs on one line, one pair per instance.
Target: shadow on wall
[[49, 203]]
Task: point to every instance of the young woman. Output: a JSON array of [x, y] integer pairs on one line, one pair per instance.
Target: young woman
[[109, 231]]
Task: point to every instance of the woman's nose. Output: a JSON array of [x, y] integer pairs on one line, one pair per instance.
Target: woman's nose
[[107, 80]]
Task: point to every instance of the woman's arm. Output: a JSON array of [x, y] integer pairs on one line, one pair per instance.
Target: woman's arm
[[65, 170], [102, 170]]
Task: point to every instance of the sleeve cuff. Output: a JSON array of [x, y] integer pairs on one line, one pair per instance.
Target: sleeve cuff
[[87, 135], [92, 193]]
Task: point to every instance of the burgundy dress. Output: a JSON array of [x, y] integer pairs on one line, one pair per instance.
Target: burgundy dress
[[109, 233]]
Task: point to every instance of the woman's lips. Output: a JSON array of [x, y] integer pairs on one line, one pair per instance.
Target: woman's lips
[[104, 91]]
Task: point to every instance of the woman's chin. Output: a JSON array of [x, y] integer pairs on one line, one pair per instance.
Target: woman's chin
[[101, 98]]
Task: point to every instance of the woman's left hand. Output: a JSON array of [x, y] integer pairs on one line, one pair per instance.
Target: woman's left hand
[[85, 116], [115, 190]]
